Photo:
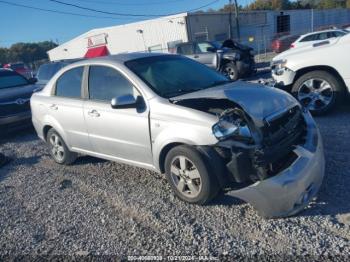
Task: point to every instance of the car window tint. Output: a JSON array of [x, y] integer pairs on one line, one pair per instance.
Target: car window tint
[[69, 84], [185, 49], [11, 79], [169, 75], [323, 36], [106, 83], [338, 33], [47, 71], [202, 47], [309, 38]]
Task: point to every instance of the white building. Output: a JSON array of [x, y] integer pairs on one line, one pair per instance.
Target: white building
[[257, 28], [149, 35]]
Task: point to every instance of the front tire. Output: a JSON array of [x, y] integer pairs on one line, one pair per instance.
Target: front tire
[[318, 91], [189, 175], [231, 71], [58, 148]]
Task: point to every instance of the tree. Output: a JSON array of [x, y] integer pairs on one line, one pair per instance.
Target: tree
[[280, 4], [26, 52]]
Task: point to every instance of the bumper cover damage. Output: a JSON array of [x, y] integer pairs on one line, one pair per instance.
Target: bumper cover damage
[[277, 166], [289, 191]]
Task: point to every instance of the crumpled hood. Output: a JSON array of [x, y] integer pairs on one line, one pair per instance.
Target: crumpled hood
[[17, 92], [256, 100]]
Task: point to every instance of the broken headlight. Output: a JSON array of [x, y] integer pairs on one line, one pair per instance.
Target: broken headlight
[[278, 66], [231, 123], [224, 129]]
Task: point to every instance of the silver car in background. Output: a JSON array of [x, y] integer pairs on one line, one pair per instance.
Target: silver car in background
[[173, 115]]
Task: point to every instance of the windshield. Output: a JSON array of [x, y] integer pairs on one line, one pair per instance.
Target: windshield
[[47, 71], [171, 76], [11, 79]]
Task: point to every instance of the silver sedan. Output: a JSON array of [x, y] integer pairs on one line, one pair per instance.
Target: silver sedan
[[172, 115]]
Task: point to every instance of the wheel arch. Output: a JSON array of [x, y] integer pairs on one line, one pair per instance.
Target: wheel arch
[[46, 129], [48, 123], [163, 153], [325, 68]]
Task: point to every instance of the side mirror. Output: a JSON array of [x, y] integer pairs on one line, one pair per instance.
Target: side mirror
[[125, 101], [211, 49], [32, 80]]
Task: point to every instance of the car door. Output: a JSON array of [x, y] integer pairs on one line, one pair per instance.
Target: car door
[[204, 56], [65, 106], [122, 134]]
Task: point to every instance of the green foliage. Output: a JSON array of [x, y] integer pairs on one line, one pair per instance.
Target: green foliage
[[289, 4], [26, 52]]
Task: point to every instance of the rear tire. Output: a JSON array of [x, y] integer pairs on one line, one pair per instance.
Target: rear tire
[[189, 175], [231, 71], [58, 148], [318, 91]]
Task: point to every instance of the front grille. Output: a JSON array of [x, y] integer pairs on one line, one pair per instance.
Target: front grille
[[288, 125], [281, 135], [14, 108]]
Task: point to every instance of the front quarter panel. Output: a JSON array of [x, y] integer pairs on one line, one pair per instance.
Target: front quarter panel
[[170, 123]]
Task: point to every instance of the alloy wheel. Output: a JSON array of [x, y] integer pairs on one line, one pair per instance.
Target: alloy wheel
[[230, 72], [57, 148], [185, 176], [315, 94]]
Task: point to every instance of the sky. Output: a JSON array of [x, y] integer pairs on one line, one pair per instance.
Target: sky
[[19, 24]]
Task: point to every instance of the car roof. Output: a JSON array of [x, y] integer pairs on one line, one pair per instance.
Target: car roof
[[324, 31], [122, 58]]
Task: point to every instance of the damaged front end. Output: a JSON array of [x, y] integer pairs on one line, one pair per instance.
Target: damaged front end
[[267, 161]]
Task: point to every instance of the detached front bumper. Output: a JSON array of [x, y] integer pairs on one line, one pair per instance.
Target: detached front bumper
[[291, 190]]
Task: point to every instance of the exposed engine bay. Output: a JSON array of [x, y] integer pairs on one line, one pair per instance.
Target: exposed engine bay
[[252, 152]]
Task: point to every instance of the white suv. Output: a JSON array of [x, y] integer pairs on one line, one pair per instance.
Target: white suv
[[316, 37], [317, 76]]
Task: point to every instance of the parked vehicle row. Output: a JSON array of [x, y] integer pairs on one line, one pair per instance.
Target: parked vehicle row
[[176, 116], [318, 76], [20, 68]]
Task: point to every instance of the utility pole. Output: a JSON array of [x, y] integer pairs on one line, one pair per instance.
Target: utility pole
[[236, 21], [230, 20], [312, 20]]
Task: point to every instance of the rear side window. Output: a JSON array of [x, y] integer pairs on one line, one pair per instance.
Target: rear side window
[[185, 49], [309, 38], [323, 36], [106, 83], [69, 84]]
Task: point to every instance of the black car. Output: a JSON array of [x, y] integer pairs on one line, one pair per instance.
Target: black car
[[15, 93], [231, 58]]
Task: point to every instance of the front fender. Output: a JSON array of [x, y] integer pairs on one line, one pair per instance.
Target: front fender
[[178, 133]]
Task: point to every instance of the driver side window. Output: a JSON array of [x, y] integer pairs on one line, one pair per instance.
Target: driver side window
[[106, 83], [203, 48]]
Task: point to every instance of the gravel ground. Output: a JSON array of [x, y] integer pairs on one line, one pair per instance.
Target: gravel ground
[[97, 207]]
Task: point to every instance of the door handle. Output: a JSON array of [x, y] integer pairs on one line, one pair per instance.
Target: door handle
[[94, 113], [53, 107], [196, 56]]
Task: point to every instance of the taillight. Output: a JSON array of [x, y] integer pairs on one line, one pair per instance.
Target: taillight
[[292, 46]]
